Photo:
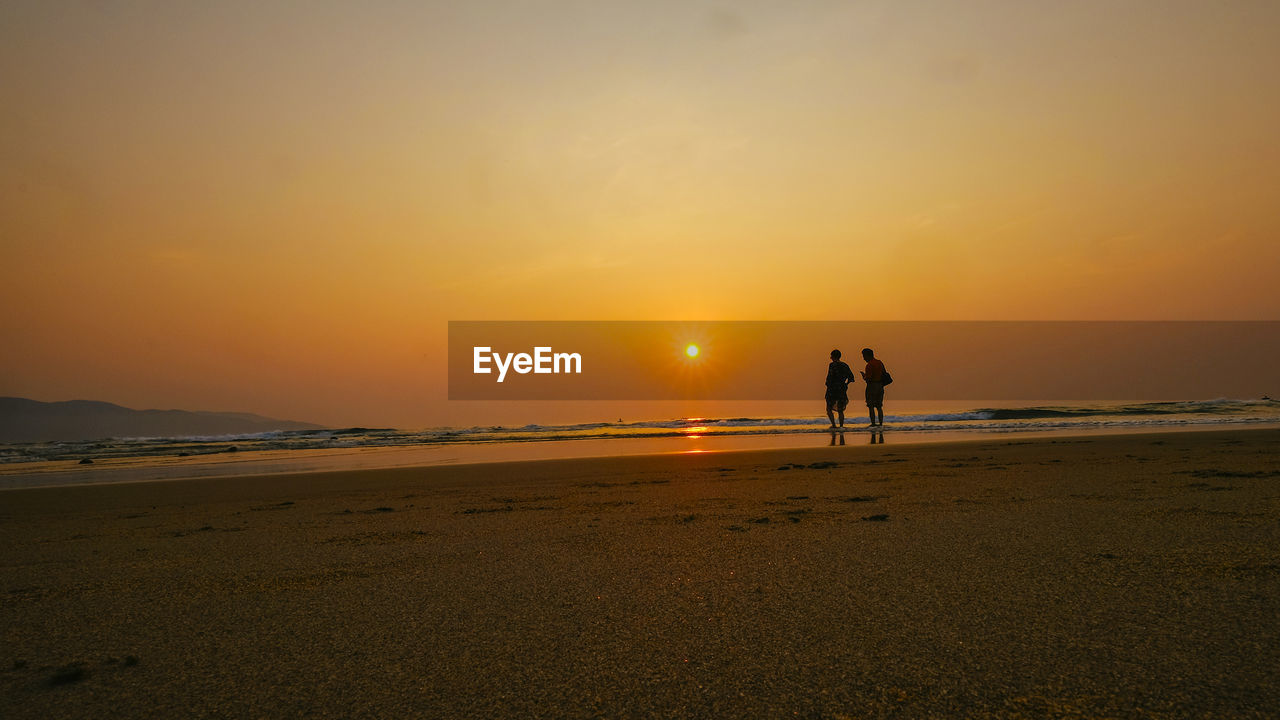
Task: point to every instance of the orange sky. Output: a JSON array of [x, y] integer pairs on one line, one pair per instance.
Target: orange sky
[[276, 208]]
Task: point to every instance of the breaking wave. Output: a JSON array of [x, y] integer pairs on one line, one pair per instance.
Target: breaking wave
[[1221, 411]]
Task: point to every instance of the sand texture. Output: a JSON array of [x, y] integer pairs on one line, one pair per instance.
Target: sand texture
[[1126, 576]]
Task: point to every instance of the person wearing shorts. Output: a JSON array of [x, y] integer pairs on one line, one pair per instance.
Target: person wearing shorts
[[839, 375], [874, 377]]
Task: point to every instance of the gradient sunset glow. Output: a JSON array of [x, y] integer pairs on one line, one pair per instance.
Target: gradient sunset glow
[[276, 208]]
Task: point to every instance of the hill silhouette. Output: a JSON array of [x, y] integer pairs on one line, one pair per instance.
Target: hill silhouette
[[23, 420]]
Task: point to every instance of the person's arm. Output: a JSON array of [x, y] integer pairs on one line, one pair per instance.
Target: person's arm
[[873, 377]]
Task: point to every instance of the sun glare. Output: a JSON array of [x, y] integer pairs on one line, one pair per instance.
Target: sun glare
[[692, 351]]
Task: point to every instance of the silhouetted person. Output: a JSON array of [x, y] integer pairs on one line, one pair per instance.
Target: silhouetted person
[[873, 376], [838, 378]]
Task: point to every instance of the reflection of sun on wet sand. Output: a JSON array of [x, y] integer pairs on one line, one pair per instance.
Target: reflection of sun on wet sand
[[1116, 575]]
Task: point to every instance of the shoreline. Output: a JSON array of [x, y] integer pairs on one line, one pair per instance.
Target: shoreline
[[482, 473], [265, 463]]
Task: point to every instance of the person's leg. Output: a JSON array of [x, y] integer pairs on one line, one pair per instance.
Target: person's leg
[[875, 401], [830, 416]]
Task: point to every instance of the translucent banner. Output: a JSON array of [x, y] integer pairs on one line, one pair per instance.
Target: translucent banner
[[739, 360]]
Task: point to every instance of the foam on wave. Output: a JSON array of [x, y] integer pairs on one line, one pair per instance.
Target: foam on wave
[[1046, 417]]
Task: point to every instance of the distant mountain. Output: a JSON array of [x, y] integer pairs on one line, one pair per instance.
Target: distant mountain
[[23, 420]]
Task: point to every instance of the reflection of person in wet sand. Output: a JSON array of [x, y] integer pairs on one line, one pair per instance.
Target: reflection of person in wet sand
[[838, 378]]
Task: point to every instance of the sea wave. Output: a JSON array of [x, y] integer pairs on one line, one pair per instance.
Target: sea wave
[[1220, 411], [1220, 406]]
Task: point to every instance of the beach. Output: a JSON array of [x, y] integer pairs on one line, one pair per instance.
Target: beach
[[1128, 575]]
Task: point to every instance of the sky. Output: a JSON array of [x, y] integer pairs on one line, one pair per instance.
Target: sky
[[277, 207]]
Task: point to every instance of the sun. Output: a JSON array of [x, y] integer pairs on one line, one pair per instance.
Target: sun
[[692, 350]]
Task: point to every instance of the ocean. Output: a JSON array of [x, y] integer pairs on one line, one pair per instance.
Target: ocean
[[151, 458]]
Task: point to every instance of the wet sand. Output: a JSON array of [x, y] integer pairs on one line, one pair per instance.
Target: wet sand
[[1126, 575]]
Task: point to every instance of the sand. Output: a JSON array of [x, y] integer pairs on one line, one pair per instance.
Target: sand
[[1129, 576]]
